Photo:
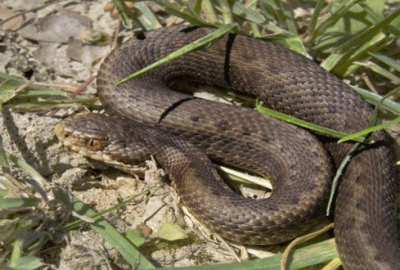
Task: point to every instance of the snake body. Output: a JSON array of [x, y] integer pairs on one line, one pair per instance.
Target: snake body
[[300, 165]]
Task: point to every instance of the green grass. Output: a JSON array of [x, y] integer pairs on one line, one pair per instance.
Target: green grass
[[353, 39]]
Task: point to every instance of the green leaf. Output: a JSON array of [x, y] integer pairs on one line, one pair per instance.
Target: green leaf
[[26, 263], [28, 169], [146, 16], [7, 90], [5, 166], [331, 61], [174, 9], [209, 11], [387, 60], [225, 9], [337, 14], [8, 203], [135, 236], [346, 66], [122, 14], [377, 6], [314, 18], [363, 41], [287, 10], [375, 99], [34, 90], [374, 67], [171, 232]]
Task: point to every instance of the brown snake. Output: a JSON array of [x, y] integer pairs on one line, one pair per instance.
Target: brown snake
[[300, 168]]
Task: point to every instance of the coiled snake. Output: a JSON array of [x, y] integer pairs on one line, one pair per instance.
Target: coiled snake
[[299, 164]]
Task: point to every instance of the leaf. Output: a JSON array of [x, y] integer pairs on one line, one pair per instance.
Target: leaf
[[174, 9], [377, 6], [375, 99], [18, 202], [7, 90], [387, 60], [338, 20], [147, 17], [135, 236], [171, 232], [26, 263], [378, 69], [122, 14]]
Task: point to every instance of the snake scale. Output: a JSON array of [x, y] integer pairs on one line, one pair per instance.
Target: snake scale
[[176, 128]]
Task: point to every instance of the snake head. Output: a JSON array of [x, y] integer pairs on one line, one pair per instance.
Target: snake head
[[84, 134], [117, 142]]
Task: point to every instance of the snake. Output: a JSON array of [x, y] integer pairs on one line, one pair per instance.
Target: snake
[[147, 116]]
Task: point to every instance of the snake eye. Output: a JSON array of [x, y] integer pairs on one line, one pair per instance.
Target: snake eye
[[93, 144]]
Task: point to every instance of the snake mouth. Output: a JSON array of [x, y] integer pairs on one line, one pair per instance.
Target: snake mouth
[[74, 134]]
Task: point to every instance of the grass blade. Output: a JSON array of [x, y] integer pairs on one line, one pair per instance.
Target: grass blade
[[314, 18], [305, 124], [36, 104], [288, 17], [370, 129], [17, 202], [122, 14], [362, 37], [147, 17], [175, 10], [387, 60], [225, 9], [378, 69], [76, 223], [334, 17], [209, 11], [26, 263], [40, 180], [303, 257], [247, 13], [338, 174], [184, 50], [375, 99], [112, 236]]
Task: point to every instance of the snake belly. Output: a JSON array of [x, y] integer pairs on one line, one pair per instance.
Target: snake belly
[[365, 210]]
